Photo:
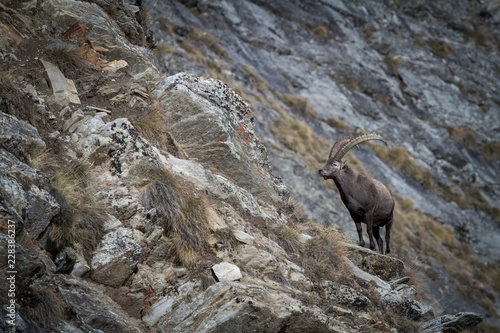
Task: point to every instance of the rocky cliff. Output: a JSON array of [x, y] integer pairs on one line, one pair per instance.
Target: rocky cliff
[[159, 165]]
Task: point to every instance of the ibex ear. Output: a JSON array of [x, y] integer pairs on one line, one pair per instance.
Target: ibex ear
[[344, 164]]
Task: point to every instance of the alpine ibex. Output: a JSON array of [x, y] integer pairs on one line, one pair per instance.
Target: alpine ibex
[[367, 199]]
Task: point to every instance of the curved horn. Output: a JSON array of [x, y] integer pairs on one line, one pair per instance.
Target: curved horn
[[353, 142], [337, 147]]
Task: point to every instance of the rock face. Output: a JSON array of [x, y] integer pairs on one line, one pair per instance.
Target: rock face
[[451, 323], [214, 126], [151, 206]]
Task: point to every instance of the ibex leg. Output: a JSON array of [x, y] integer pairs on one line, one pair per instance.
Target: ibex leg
[[369, 230], [388, 227], [380, 242], [359, 229]]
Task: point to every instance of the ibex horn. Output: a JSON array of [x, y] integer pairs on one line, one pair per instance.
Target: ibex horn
[[347, 144], [337, 147]]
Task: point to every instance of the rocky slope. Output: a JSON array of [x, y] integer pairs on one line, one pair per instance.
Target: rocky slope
[[144, 191]]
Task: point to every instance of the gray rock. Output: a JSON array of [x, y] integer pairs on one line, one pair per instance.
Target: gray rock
[[226, 272], [402, 300], [15, 133], [244, 237], [105, 31], [63, 90], [94, 309], [452, 323], [381, 286], [42, 207], [117, 256], [344, 294], [385, 267], [213, 125], [28, 266], [24, 190]]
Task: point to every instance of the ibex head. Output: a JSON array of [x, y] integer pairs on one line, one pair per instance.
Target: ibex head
[[334, 165]]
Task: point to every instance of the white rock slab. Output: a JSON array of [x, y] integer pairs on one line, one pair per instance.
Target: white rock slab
[[64, 89], [226, 272], [244, 237]]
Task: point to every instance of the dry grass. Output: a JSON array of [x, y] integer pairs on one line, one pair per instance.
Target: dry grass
[[298, 104], [419, 237], [398, 158], [79, 223], [490, 151], [337, 123], [68, 56], [349, 82], [321, 31], [43, 305], [392, 63], [439, 48], [465, 136], [255, 79], [209, 40], [401, 322], [322, 256], [480, 35], [182, 215], [151, 125], [464, 195], [161, 50], [288, 239], [472, 141], [226, 238], [298, 137]]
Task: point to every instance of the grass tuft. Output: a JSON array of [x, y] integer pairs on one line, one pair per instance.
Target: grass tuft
[[288, 239], [151, 125], [68, 56], [321, 31], [298, 104], [439, 48], [43, 305], [182, 216], [79, 223], [322, 256], [226, 238]]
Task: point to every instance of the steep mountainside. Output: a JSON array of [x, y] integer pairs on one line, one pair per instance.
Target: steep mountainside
[[423, 74], [159, 165]]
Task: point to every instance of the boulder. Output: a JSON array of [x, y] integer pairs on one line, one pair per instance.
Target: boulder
[[402, 300], [93, 308], [116, 257], [24, 191], [244, 237], [213, 125], [385, 267], [344, 294], [226, 272], [237, 307], [452, 323], [63, 90]]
